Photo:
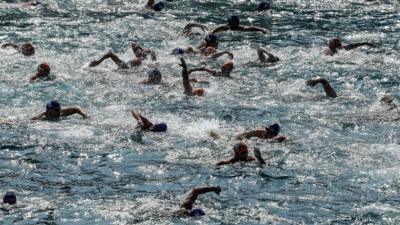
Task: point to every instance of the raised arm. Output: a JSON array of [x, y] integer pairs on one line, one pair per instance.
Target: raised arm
[[225, 162], [271, 58], [356, 45], [192, 196], [185, 77], [257, 154], [329, 91], [143, 122], [252, 133], [73, 110], [219, 54], [220, 29], [252, 28]]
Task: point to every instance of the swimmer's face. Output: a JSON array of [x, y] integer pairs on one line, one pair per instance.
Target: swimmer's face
[[210, 51], [53, 113], [241, 152], [27, 49], [335, 43]]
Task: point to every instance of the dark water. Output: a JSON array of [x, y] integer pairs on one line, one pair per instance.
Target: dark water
[[341, 165]]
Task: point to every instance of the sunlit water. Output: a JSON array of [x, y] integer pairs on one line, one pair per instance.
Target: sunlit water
[[341, 165]]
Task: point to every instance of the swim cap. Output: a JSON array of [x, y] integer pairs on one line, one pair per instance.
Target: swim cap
[[264, 6], [211, 38], [238, 150], [178, 51], [158, 6], [154, 75], [335, 42], [227, 66], [159, 127], [53, 105], [44, 67], [10, 198], [196, 212], [233, 21], [27, 49], [274, 128]]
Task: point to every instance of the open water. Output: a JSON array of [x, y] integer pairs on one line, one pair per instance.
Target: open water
[[341, 165]]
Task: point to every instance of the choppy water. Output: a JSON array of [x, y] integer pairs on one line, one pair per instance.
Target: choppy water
[[341, 165]]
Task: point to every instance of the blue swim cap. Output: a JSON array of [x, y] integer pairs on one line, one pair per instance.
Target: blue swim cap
[[159, 127], [211, 38], [158, 6], [154, 75], [196, 212], [53, 105], [273, 128], [10, 198], [264, 6], [178, 51]]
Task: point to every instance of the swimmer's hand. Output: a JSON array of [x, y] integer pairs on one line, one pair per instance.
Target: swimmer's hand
[[257, 154], [314, 82], [217, 190]]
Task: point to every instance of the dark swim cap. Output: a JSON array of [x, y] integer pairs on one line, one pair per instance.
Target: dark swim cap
[[274, 128], [211, 38], [158, 6], [154, 75], [178, 51], [233, 20], [10, 198], [159, 127], [53, 105], [196, 212], [264, 6]]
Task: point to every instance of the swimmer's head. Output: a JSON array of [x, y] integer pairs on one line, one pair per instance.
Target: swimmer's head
[[159, 127], [263, 6], [27, 49], [241, 151], [233, 22], [227, 68], [158, 6], [274, 129], [178, 51], [335, 43], [10, 198], [53, 109], [154, 76], [211, 41], [196, 212], [43, 70]]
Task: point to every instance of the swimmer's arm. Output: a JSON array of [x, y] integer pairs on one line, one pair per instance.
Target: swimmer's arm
[[225, 162], [10, 45], [257, 154], [278, 139], [200, 69], [329, 91], [39, 117], [152, 53], [252, 28], [73, 110], [219, 54], [356, 45], [33, 78], [271, 58], [185, 77], [220, 29], [192, 196], [188, 28]]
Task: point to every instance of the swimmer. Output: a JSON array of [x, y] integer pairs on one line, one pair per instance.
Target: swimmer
[[186, 82], [234, 25], [10, 198], [186, 208], [205, 51], [154, 6], [146, 125], [388, 100], [242, 155], [226, 70], [335, 44], [54, 111], [43, 71], [154, 77], [140, 54], [26, 49], [271, 58], [329, 91], [270, 132]]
